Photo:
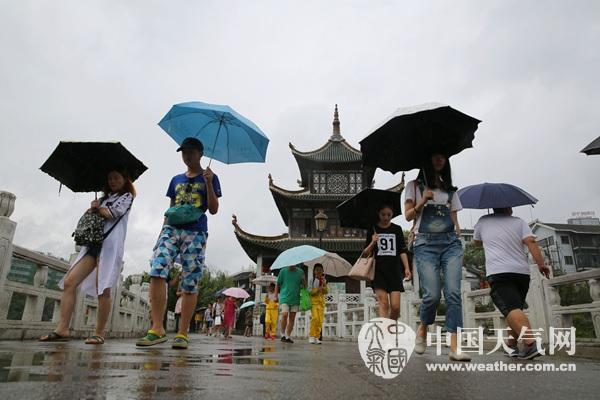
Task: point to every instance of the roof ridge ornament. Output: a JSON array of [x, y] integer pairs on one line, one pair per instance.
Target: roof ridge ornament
[[336, 136]]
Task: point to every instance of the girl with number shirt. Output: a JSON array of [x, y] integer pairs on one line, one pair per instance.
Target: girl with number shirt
[[386, 242]]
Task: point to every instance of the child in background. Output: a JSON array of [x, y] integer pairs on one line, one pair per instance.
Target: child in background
[[249, 322], [271, 314], [318, 290]]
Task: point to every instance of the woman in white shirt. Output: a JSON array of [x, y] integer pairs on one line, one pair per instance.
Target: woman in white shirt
[[432, 203], [97, 269]]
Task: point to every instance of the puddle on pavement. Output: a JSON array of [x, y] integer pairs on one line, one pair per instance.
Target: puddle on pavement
[[98, 364]]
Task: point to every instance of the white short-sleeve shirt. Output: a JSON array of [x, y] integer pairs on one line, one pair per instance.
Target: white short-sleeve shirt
[[502, 237], [439, 197]]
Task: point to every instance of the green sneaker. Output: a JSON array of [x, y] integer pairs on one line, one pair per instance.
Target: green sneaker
[[151, 338], [180, 342]]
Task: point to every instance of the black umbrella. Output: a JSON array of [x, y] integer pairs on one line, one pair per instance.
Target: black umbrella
[[405, 139], [360, 211], [592, 148], [83, 166]]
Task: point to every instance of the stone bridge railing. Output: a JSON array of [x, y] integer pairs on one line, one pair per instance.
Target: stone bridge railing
[[346, 313], [30, 296]]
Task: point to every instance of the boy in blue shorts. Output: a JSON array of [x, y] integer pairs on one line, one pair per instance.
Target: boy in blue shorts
[[200, 188]]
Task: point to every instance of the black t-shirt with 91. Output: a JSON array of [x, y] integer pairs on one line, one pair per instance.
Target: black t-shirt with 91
[[390, 245]]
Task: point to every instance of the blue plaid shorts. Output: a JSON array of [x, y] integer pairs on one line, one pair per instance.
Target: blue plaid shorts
[[189, 246]]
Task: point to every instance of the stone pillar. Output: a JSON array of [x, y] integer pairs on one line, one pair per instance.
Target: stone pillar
[[257, 327], [7, 234]]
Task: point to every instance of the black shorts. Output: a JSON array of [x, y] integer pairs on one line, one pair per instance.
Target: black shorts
[[94, 250], [388, 278], [508, 291]]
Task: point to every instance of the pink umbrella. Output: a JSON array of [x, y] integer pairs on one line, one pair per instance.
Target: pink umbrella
[[236, 292]]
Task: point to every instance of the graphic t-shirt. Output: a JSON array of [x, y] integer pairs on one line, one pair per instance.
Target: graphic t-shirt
[[185, 190], [440, 197], [289, 283], [390, 245]]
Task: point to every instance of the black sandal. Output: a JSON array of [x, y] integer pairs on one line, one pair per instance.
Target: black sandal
[[95, 339], [54, 337]]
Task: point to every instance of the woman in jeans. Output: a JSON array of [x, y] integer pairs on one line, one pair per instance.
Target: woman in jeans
[[432, 203]]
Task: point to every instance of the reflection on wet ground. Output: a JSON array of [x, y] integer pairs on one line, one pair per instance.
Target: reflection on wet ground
[[238, 368]]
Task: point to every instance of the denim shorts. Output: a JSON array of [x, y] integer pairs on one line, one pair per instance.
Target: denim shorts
[[508, 291]]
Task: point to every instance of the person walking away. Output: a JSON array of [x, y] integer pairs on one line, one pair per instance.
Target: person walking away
[[318, 290], [386, 242], [504, 239], [208, 320], [229, 307], [249, 321], [289, 282], [96, 270], [432, 204], [193, 192], [271, 313]]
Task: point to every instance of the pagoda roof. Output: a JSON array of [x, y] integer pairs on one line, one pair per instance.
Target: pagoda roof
[[271, 246], [333, 151], [285, 198]]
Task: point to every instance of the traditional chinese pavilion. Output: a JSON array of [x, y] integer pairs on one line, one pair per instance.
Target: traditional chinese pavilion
[[329, 175]]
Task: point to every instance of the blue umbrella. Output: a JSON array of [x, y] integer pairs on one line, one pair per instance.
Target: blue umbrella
[[297, 255], [226, 135], [494, 195]]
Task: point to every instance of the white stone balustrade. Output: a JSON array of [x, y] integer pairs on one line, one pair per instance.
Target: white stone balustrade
[[28, 291]]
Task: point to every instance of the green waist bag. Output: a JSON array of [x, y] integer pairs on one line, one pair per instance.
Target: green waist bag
[[183, 214], [305, 303]]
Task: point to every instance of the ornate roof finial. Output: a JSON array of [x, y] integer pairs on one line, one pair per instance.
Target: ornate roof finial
[[270, 179], [336, 136]]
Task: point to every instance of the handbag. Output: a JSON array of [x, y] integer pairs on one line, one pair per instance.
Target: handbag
[[364, 268], [90, 229], [305, 302], [183, 214]]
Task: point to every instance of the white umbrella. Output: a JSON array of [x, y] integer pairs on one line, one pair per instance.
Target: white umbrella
[[332, 263], [264, 280]]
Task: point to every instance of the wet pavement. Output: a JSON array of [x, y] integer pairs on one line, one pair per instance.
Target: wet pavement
[[252, 368]]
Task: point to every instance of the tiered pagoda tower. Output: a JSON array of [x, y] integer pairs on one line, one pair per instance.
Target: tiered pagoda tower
[[329, 175]]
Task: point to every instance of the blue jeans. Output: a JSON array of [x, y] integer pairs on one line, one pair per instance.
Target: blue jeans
[[437, 253]]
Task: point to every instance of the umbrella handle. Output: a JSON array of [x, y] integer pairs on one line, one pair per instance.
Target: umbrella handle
[[216, 137]]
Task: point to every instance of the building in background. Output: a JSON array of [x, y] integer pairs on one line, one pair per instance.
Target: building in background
[[570, 247]]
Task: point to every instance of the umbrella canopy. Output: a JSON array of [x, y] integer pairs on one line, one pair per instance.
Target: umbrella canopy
[[264, 280], [84, 166], [592, 148], [332, 263], [247, 304], [360, 211], [226, 135], [404, 140], [236, 292], [494, 195], [297, 255]]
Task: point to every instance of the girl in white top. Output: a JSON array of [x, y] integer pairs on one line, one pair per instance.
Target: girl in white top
[[96, 270]]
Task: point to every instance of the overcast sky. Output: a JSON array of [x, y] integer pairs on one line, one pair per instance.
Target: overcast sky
[[109, 70]]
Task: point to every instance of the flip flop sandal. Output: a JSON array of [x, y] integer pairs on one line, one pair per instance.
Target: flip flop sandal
[[180, 342], [151, 338], [95, 339], [54, 337]]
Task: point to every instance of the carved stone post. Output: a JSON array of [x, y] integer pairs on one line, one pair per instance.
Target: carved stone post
[[7, 233]]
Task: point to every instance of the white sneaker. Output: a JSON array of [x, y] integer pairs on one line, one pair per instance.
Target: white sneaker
[[420, 345], [311, 340], [317, 341], [459, 357]]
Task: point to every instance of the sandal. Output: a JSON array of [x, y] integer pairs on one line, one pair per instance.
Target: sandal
[[95, 339], [180, 342], [54, 337], [151, 338]]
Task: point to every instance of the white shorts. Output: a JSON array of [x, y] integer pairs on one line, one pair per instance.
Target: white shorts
[[286, 308]]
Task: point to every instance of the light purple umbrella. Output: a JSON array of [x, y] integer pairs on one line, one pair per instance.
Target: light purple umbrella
[[236, 292]]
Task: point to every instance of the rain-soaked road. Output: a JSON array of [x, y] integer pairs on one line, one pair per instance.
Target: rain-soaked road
[[252, 368]]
